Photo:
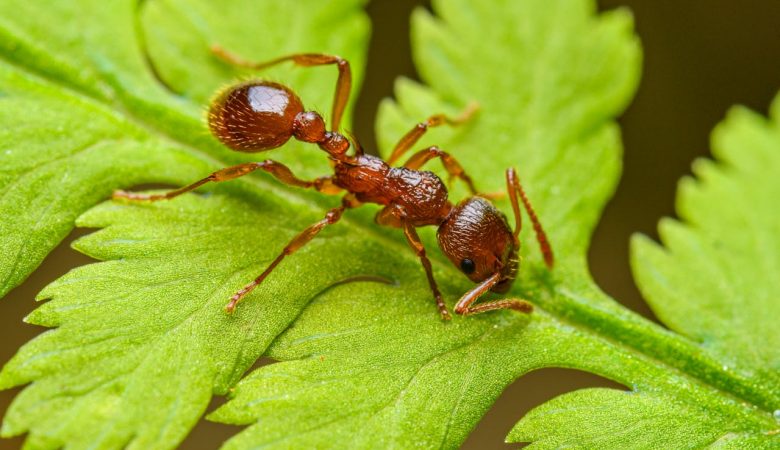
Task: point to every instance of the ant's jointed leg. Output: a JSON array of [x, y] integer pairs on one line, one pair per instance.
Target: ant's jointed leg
[[414, 241], [411, 138], [331, 217], [451, 165], [343, 84], [278, 170], [463, 307]]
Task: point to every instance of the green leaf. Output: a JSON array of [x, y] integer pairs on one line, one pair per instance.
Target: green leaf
[[608, 418], [142, 341], [364, 368], [730, 240], [84, 113], [156, 331], [709, 281]]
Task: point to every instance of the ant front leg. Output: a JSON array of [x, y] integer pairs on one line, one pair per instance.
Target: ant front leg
[[278, 170], [464, 308], [343, 84], [414, 241], [411, 138], [303, 238]]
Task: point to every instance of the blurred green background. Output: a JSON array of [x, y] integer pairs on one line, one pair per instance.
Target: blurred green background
[[701, 57]]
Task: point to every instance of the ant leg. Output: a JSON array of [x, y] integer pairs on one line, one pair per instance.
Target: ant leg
[[514, 188], [387, 217], [303, 238], [414, 241], [464, 308], [451, 165], [343, 84], [278, 170], [411, 138]]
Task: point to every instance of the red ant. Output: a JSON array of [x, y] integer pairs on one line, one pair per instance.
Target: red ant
[[260, 115]]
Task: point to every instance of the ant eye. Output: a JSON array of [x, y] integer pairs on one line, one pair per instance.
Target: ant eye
[[467, 266]]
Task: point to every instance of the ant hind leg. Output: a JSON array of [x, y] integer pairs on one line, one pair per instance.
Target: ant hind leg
[[343, 84], [303, 238], [278, 170]]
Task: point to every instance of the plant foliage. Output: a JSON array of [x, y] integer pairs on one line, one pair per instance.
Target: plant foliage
[[90, 103]]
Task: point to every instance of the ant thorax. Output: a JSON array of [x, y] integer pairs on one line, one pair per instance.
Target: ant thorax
[[421, 194]]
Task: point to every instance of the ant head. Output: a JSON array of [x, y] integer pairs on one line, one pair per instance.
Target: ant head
[[476, 237]]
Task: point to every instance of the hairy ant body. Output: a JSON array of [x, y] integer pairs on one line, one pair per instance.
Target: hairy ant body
[[260, 115]]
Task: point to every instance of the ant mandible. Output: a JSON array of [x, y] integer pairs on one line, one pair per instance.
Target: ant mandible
[[258, 115]]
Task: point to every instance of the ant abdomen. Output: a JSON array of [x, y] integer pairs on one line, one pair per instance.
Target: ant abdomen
[[254, 116]]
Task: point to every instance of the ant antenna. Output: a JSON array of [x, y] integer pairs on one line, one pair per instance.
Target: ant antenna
[[515, 190]]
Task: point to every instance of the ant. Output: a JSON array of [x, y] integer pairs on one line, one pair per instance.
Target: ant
[[259, 115]]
